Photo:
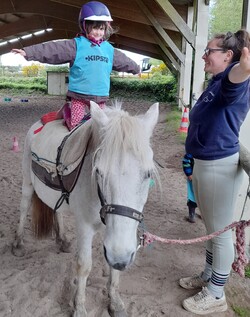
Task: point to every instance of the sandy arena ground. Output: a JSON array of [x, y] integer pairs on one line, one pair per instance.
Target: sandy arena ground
[[40, 284]]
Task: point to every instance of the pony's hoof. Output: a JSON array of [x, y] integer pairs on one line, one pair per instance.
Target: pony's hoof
[[121, 313], [80, 313], [18, 251], [65, 247]]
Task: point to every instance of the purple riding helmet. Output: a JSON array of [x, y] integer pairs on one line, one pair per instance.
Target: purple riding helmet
[[94, 11]]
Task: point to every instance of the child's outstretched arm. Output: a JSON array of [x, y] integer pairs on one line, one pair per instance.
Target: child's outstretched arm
[[53, 52], [122, 63], [18, 51]]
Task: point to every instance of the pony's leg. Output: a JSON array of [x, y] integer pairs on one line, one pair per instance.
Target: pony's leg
[[84, 263], [116, 306], [61, 239], [26, 200]]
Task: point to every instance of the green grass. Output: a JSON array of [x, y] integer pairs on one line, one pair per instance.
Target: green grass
[[163, 90], [247, 272], [173, 123], [241, 312]]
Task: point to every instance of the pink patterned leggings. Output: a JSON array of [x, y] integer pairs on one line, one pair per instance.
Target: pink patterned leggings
[[79, 108]]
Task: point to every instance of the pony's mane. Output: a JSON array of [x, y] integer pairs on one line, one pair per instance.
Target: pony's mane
[[124, 133]]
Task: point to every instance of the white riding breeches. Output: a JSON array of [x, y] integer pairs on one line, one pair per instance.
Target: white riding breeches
[[216, 184]]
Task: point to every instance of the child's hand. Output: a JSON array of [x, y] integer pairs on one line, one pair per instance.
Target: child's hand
[[189, 177], [18, 51]]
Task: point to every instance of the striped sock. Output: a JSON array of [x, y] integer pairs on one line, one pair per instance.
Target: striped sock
[[217, 283], [206, 275]]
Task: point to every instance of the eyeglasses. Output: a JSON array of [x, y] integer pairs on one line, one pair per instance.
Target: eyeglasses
[[207, 50]]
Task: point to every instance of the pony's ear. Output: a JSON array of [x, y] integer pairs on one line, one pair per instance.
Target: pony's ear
[[97, 114], [151, 117]]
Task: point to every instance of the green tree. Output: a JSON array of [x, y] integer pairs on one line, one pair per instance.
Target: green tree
[[32, 70], [224, 16], [160, 68]]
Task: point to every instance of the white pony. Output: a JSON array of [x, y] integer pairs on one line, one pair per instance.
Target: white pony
[[114, 179]]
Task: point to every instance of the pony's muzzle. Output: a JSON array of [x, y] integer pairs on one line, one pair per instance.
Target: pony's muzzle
[[120, 265]]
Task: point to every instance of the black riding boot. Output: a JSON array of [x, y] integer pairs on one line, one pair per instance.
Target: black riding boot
[[191, 216], [191, 210]]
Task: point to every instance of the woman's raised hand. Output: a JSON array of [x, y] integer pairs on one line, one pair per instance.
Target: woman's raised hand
[[245, 60], [241, 71]]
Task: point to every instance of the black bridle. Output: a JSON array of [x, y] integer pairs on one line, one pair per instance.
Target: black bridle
[[116, 209]]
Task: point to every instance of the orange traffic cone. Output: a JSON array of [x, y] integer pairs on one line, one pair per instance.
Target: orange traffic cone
[[15, 147], [184, 121]]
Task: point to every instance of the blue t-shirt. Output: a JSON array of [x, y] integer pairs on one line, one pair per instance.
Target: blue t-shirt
[[216, 118]]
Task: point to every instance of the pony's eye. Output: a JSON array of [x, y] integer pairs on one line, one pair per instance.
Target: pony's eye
[[98, 172], [148, 174]]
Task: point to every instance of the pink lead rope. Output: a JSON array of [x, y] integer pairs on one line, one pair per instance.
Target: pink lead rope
[[238, 265]]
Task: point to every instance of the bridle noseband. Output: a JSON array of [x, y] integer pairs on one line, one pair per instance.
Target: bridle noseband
[[116, 209], [120, 210]]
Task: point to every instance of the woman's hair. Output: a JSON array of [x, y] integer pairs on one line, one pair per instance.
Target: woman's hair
[[234, 42], [108, 29]]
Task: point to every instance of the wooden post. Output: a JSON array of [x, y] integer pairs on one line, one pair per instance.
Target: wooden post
[[245, 159]]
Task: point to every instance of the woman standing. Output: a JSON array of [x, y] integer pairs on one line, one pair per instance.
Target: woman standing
[[212, 139]]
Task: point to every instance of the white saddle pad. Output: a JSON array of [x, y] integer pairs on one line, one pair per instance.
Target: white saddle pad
[[45, 145]]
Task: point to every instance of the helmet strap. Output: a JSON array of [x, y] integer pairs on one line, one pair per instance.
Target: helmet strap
[[84, 27]]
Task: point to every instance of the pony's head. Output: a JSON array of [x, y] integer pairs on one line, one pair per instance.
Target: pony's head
[[123, 166]]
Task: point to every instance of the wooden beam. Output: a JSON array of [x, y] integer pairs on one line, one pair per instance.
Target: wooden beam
[[47, 36], [144, 48], [178, 21], [165, 52], [135, 31], [170, 58], [36, 22], [4, 21], [168, 63], [45, 7], [161, 31], [128, 10], [62, 17]]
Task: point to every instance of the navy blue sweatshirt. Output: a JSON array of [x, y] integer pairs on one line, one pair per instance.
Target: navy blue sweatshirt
[[216, 118]]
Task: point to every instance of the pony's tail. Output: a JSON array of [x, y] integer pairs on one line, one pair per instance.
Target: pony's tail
[[42, 218]]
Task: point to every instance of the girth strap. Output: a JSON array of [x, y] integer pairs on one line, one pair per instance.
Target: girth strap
[[66, 193]]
